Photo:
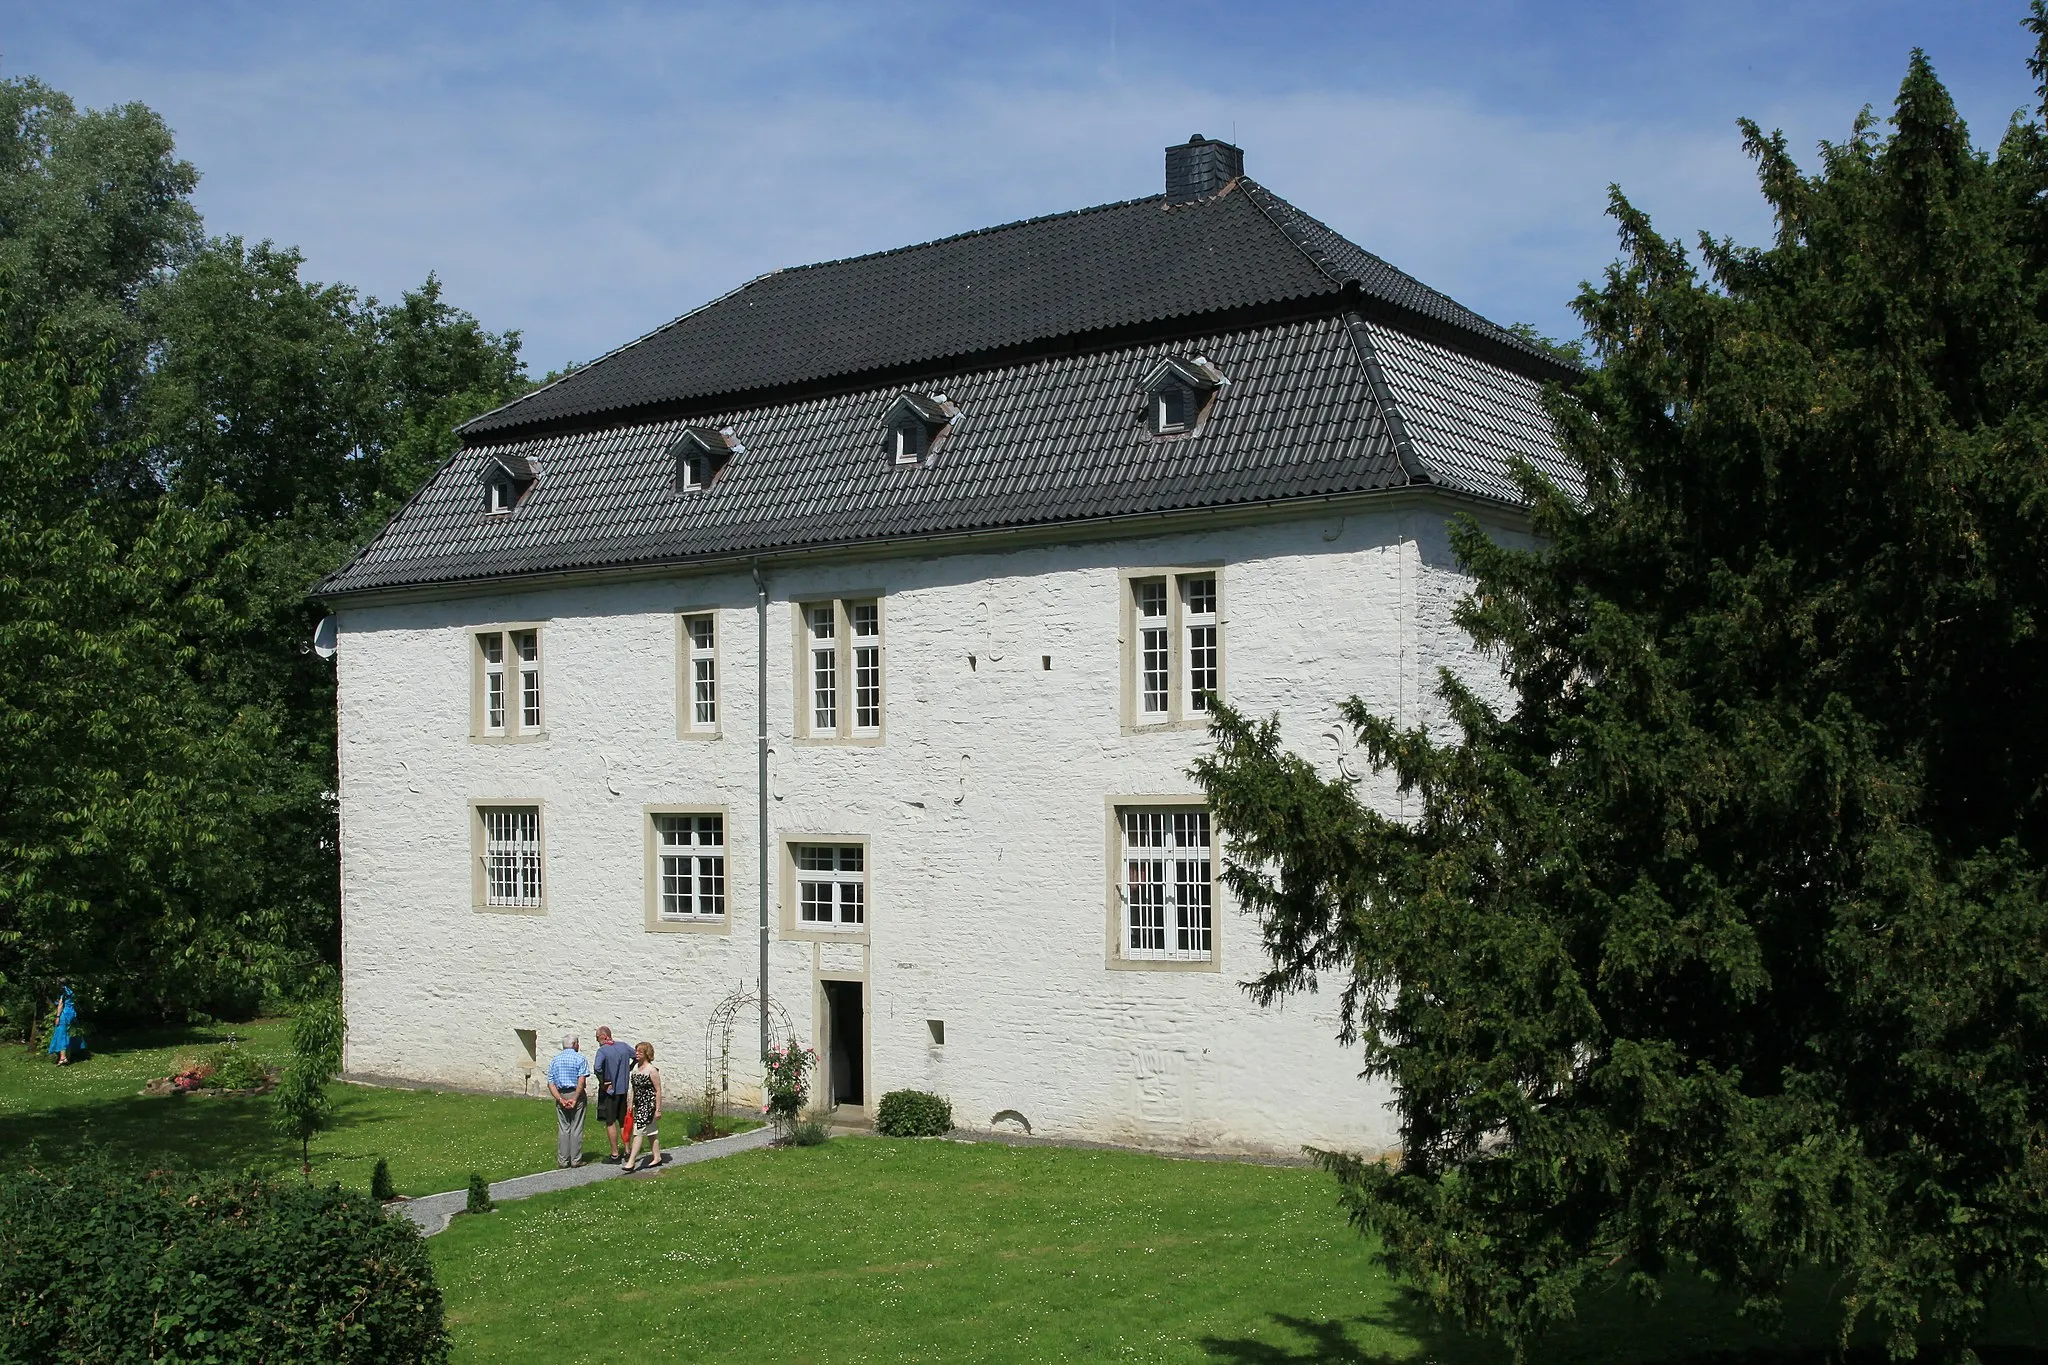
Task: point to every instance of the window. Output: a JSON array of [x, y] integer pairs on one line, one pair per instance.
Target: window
[[1174, 659], [510, 857], [867, 666], [507, 696], [1168, 885], [840, 642], [700, 671], [505, 479], [701, 455], [822, 621], [831, 881], [493, 649], [914, 424], [1198, 622], [1177, 395], [691, 866]]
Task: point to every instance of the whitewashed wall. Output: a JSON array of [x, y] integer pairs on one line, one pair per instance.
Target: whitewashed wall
[[984, 811]]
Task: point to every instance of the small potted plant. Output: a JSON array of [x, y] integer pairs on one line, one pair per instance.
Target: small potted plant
[[788, 1084]]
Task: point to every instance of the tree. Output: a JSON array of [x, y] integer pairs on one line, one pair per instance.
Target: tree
[[301, 1103], [1722, 942]]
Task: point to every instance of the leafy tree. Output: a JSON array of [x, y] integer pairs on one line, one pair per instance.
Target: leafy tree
[[301, 1103], [1718, 938], [246, 428]]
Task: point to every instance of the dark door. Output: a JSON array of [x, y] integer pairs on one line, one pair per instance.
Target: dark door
[[847, 1041]]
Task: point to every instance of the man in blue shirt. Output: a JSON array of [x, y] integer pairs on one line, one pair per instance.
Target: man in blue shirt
[[614, 1070], [566, 1076]]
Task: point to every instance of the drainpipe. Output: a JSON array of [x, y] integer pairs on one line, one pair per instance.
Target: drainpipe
[[761, 786]]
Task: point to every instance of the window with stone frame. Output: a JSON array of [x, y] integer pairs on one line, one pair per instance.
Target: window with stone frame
[[1173, 653], [1167, 884], [840, 669]]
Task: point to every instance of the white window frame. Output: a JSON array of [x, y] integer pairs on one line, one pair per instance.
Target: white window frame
[[841, 668], [508, 699], [1165, 898], [711, 868], [697, 682], [851, 888], [509, 856], [1189, 643]]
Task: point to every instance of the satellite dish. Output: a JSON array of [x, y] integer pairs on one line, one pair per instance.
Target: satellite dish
[[323, 638]]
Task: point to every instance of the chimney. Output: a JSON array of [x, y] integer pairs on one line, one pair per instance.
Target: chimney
[[1199, 168]]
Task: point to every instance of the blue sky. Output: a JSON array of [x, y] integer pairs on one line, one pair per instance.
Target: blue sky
[[585, 172]]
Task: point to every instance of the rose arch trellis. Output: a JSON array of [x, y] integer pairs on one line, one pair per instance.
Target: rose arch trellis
[[718, 1039]]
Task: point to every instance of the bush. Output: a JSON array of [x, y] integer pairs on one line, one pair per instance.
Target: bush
[[381, 1188], [808, 1133], [102, 1263], [479, 1195], [914, 1113], [234, 1067]]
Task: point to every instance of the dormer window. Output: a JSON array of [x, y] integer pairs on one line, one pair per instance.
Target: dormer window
[[1177, 395], [914, 424], [506, 479], [700, 454]]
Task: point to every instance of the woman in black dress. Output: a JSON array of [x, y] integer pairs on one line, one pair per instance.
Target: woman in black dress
[[645, 1084]]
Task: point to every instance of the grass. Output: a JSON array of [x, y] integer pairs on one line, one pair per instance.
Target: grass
[[870, 1249], [433, 1139]]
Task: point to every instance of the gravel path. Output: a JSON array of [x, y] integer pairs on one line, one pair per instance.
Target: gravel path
[[432, 1212]]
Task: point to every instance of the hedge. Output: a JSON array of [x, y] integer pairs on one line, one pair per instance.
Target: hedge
[[103, 1264], [913, 1113]]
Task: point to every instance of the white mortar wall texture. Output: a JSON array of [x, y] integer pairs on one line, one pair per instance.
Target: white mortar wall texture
[[985, 812]]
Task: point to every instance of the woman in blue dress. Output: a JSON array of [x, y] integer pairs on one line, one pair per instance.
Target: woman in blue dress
[[64, 1043]]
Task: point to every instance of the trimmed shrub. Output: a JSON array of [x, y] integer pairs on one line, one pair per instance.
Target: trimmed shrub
[[234, 1067], [381, 1188], [913, 1113], [104, 1263], [808, 1133], [479, 1195]]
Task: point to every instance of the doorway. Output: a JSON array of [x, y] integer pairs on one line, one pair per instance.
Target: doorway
[[846, 1043]]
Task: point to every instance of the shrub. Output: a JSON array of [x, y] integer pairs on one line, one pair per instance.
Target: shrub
[[234, 1068], [479, 1195], [381, 1188], [106, 1263], [914, 1113], [808, 1133]]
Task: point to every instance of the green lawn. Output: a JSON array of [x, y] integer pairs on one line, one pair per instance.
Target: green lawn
[[433, 1139], [869, 1249]]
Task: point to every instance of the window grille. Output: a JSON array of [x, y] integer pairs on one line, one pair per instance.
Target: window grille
[[511, 855], [824, 669], [1152, 647], [866, 619], [831, 884], [692, 853], [703, 672], [527, 644], [492, 647], [1168, 886], [1198, 619]]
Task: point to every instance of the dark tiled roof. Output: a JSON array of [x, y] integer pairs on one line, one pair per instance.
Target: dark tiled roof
[[1121, 265], [1044, 441]]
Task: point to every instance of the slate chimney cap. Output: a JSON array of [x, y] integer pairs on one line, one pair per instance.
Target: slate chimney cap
[[1200, 168]]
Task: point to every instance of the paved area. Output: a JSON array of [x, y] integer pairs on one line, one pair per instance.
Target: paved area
[[433, 1212]]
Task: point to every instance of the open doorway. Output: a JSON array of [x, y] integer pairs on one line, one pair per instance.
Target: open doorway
[[846, 1043]]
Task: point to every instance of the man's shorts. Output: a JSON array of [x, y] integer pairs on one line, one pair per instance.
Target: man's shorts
[[611, 1108]]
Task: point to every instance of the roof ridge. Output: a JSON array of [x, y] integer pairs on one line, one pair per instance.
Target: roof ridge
[[972, 232], [570, 373], [1267, 201]]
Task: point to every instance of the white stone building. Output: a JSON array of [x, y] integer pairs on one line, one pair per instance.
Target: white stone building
[[961, 537]]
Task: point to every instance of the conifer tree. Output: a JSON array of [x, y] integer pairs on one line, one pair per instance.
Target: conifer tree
[[1716, 935]]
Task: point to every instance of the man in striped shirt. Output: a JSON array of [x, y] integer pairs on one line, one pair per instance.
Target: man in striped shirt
[[568, 1074]]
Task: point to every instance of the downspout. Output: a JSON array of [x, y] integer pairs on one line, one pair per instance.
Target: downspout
[[761, 785]]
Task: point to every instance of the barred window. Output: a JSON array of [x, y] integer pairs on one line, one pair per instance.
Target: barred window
[[1168, 885], [691, 850], [831, 882], [511, 855]]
